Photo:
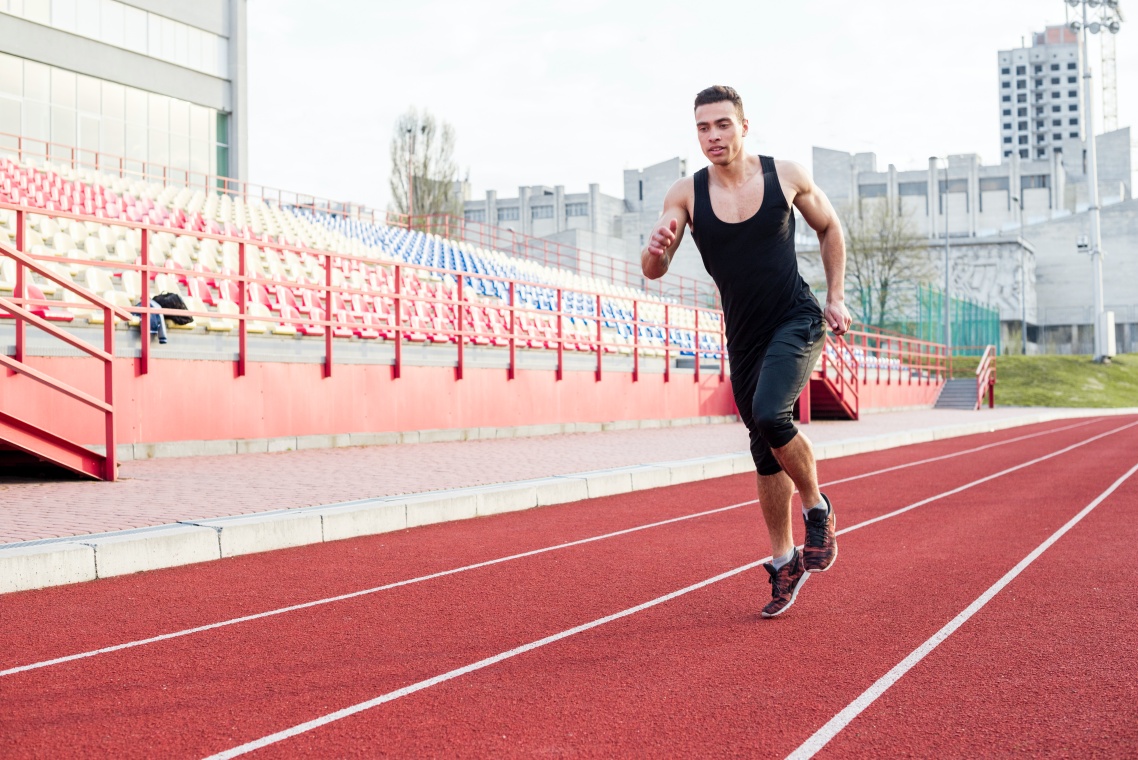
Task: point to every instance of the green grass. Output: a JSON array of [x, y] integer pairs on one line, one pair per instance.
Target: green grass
[[1060, 380]]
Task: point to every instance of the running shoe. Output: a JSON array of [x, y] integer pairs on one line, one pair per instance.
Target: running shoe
[[821, 547], [785, 583]]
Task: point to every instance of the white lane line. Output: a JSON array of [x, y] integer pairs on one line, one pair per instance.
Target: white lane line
[[827, 732], [392, 695], [465, 568]]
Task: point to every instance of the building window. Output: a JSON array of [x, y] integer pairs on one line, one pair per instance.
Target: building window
[[1039, 83], [990, 184], [1073, 107], [509, 214], [1054, 80], [872, 191], [1054, 67], [1054, 93], [1038, 69], [1008, 139], [1072, 93], [124, 26], [1041, 137], [1024, 153], [1005, 70], [913, 188], [1021, 98], [1056, 122], [1021, 70], [1007, 154], [1021, 125], [541, 212], [1007, 125], [1007, 112], [1041, 153], [1057, 136], [1006, 99], [1074, 134], [1021, 84], [476, 215], [1023, 139], [1072, 66], [1056, 108], [1006, 85], [1073, 122], [576, 209], [1035, 181], [1039, 124], [1021, 112], [1070, 80]]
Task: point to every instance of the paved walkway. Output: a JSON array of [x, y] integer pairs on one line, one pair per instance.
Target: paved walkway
[[160, 491]]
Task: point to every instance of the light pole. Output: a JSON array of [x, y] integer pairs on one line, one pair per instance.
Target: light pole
[[410, 175], [1110, 17], [947, 263], [1022, 275]]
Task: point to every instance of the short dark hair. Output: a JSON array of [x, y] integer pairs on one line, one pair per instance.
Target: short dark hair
[[719, 93]]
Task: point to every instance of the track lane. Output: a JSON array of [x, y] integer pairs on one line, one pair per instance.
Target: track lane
[[1047, 668], [89, 618], [697, 676], [139, 708]]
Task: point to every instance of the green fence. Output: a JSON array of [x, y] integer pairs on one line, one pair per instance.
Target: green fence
[[919, 311]]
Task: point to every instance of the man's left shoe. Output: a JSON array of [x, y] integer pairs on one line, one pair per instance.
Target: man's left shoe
[[821, 547], [785, 583]]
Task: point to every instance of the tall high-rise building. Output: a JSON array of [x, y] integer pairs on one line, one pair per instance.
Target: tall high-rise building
[[1039, 96]]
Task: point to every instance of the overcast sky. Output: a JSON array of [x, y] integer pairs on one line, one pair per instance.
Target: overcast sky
[[574, 92]]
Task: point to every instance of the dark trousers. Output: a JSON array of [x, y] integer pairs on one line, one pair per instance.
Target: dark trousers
[[769, 379]]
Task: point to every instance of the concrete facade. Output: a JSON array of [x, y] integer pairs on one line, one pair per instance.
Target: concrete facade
[[592, 221], [179, 58]]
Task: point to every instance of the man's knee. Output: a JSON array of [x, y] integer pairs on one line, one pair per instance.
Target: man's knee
[[775, 425]]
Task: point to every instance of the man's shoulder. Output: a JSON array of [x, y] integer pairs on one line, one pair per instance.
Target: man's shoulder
[[792, 173], [683, 188]]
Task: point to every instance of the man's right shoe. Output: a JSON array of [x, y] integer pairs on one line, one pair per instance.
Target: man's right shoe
[[785, 583], [821, 547]]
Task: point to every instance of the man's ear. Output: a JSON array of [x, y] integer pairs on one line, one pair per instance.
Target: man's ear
[[746, 125]]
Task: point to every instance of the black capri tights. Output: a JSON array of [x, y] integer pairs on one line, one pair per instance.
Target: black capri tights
[[767, 381]]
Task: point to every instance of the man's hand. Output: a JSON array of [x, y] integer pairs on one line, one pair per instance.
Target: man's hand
[[662, 238], [838, 317]]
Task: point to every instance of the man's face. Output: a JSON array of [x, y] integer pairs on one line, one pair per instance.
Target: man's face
[[720, 131]]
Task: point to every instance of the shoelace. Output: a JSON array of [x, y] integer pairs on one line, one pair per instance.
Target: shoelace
[[816, 532], [776, 589]]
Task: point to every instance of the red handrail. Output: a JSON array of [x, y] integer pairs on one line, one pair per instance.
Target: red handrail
[[16, 307], [986, 378]]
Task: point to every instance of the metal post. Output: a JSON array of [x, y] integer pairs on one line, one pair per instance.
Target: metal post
[[21, 282], [600, 339], [242, 309], [635, 341], [328, 312], [560, 340], [144, 301], [697, 345], [947, 271], [458, 313], [513, 332], [397, 369], [1100, 347], [110, 466], [667, 346]]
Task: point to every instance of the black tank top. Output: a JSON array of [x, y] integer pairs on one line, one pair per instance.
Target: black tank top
[[753, 263]]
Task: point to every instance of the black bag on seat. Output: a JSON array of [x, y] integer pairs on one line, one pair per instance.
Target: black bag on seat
[[173, 301]]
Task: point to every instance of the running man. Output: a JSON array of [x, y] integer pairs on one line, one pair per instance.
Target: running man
[[739, 212]]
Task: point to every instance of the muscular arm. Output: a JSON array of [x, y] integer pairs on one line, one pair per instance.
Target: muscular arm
[[815, 208], [668, 232]]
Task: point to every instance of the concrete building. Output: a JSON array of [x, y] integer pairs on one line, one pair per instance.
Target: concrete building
[[157, 83], [997, 236], [593, 221], [1040, 110]]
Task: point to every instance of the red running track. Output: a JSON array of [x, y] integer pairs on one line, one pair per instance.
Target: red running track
[[696, 674]]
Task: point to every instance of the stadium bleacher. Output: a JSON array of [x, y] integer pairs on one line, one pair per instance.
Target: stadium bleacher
[[285, 255]]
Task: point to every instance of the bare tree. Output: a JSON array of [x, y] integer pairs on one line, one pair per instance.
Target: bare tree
[[423, 169], [885, 259]]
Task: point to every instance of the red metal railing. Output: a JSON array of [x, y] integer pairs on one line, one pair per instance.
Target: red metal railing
[[887, 358], [17, 308], [986, 378], [327, 317]]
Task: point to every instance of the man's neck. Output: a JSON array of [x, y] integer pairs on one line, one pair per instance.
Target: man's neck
[[736, 173]]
